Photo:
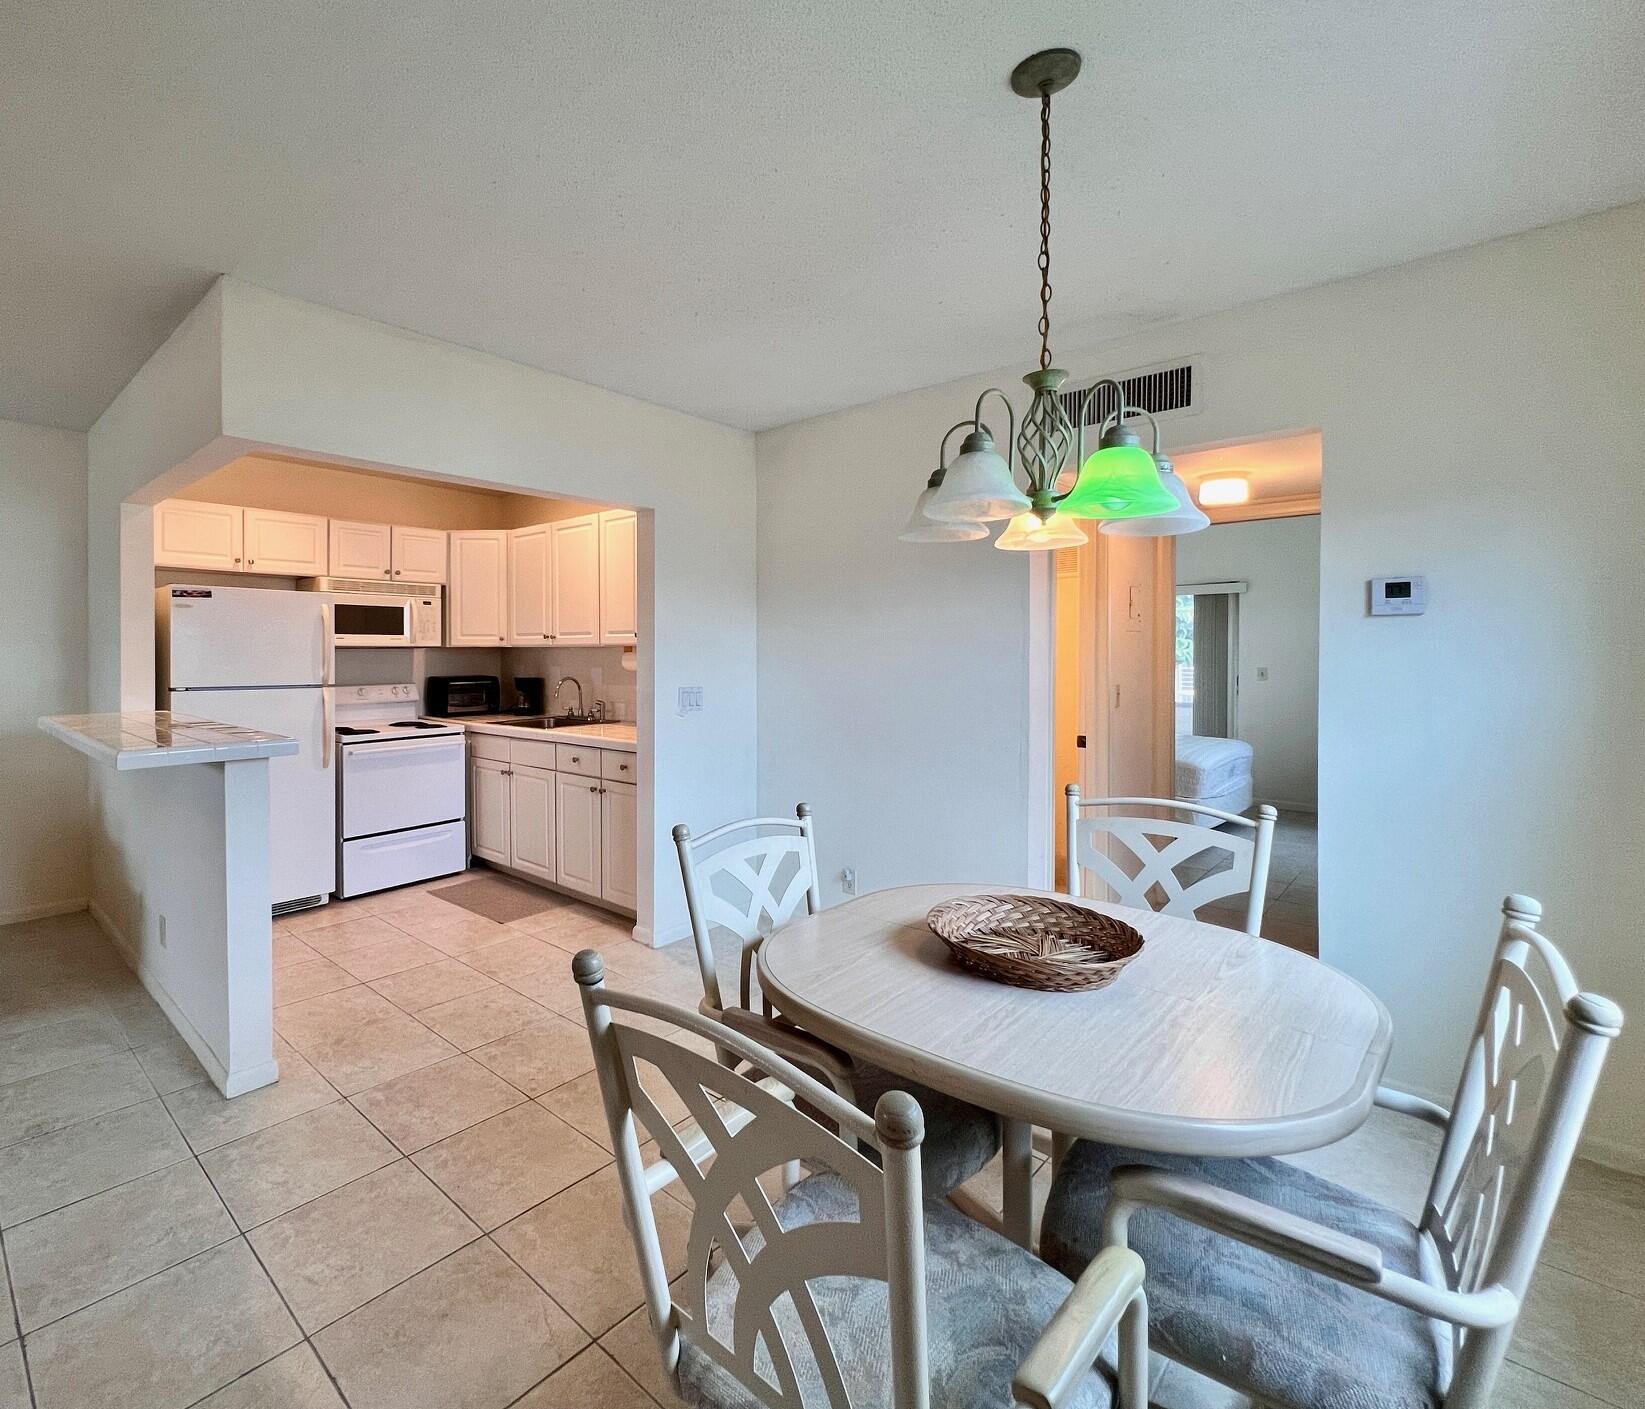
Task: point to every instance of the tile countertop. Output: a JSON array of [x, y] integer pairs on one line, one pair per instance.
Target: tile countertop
[[161, 739], [606, 736]]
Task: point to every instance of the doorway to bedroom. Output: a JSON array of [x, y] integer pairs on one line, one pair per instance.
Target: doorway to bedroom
[[1188, 667]]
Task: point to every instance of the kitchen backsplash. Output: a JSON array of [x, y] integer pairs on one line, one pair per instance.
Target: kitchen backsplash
[[598, 669]]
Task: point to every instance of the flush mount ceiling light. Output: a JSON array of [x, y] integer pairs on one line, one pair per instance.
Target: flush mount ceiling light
[[1119, 481], [1220, 490]]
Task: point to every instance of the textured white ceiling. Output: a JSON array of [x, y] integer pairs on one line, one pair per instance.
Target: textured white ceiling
[[759, 211]]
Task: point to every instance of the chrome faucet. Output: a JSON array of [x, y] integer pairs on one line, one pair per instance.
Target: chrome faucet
[[565, 680]]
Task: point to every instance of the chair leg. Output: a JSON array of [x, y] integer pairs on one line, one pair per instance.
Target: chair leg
[[1060, 1145], [1018, 1156], [1133, 1365]]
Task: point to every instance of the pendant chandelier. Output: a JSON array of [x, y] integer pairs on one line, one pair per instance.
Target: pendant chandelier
[[1119, 482]]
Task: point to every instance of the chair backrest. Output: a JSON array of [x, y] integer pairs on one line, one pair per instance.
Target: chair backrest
[[771, 1336], [746, 878], [1156, 846], [1520, 1106]]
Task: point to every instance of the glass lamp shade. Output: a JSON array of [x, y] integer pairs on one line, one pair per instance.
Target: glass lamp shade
[[1187, 517], [1026, 532], [1118, 482], [922, 528], [977, 488]]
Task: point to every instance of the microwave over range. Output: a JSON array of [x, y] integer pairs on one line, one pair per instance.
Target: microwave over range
[[379, 614]]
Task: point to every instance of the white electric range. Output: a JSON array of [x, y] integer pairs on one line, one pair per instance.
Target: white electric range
[[402, 789]]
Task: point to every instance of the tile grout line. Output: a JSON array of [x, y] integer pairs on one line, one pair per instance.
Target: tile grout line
[[1555, 1379], [17, 1321]]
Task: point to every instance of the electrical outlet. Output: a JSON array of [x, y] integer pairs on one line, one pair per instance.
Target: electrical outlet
[[848, 880], [1262, 672], [691, 699]]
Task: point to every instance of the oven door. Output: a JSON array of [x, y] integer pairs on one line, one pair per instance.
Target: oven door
[[391, 785], [370, 619]]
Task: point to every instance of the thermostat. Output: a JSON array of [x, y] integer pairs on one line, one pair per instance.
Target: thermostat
[[1399, 596]]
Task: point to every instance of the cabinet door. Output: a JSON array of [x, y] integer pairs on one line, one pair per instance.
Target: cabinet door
[[530, 550], [419, 554], [531, 814], [479, 588], [289, 545], [359, 549], [617, 619], [577, 833], [488, 810], [619, 845], [190, 535], [575, 572]]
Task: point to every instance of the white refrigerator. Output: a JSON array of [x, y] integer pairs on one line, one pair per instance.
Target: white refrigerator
[[263, 659]]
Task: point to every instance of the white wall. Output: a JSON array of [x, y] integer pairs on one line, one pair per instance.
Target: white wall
[[254, 372], [1279, 631], [1483, 414], [43, 583]]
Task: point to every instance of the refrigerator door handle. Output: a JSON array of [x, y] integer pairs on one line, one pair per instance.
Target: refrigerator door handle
[[329, 642], [326, 732]]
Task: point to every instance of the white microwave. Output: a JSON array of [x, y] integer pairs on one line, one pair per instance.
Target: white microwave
[[377, 614]]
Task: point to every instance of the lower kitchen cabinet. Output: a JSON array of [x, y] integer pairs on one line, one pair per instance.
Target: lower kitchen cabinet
[[531, 815], [577, 832], [491, 810], [573, 830], [619, 842]]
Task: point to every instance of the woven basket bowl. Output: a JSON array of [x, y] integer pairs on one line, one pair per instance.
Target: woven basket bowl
[[1035, 941]]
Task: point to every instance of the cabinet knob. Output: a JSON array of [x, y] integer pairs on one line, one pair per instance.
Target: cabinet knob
[[593, 790], [396, 572], [236, 560], [251, 562]]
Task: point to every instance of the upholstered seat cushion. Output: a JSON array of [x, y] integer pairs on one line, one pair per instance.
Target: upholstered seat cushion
[[987, 1302], [1286, 1336], [959, 1138]]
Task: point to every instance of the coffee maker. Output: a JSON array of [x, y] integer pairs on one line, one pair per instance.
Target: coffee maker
[[530, 695]]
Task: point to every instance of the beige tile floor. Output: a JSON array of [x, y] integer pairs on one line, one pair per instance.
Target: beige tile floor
[[1290, 914], [423, 1211]]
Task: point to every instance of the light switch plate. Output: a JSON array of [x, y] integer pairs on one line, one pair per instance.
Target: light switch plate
[[691, 699]]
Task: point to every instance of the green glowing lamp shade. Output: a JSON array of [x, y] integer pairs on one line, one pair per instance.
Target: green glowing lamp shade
[[1118, 482]]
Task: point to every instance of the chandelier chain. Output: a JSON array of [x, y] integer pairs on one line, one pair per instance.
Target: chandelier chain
[[1045, 228]]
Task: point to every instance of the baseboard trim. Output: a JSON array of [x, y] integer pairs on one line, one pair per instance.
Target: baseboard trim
[[648, 937], [24, 913], [262, 1075]]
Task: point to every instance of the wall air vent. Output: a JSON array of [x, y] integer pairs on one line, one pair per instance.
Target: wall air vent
[[1157, 389]]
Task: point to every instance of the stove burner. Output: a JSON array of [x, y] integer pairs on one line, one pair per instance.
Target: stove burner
[[345, 729], [414, 724]]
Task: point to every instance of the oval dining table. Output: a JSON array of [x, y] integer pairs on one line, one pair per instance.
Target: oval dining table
[[1210, 1042]]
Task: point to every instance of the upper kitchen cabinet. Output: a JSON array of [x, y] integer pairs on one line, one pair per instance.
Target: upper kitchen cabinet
[[574, 571], [288, 545], [205, 536], [368, 550], [360, 549], [617, 615], [477, 611], [530, 552], [419, 554]]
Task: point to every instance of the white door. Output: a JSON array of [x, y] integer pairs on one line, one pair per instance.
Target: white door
[[402, 783], [529, 552], [189, 535], [577, 833], [531, 817], [619, 845], [489, 810], [289, 545], [217, 638], [302, 797], [617, 616], [479, 587], [359, 549], [419, 554], [575, 570]]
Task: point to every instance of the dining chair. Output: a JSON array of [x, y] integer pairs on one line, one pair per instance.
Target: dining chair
[[1158, 845], [852, 1290], [747, 878], [1303, 1293]]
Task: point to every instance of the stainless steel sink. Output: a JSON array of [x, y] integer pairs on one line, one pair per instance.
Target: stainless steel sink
[[558, 721]]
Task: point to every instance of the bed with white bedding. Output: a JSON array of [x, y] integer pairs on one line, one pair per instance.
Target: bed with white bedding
[[1216, 772]]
